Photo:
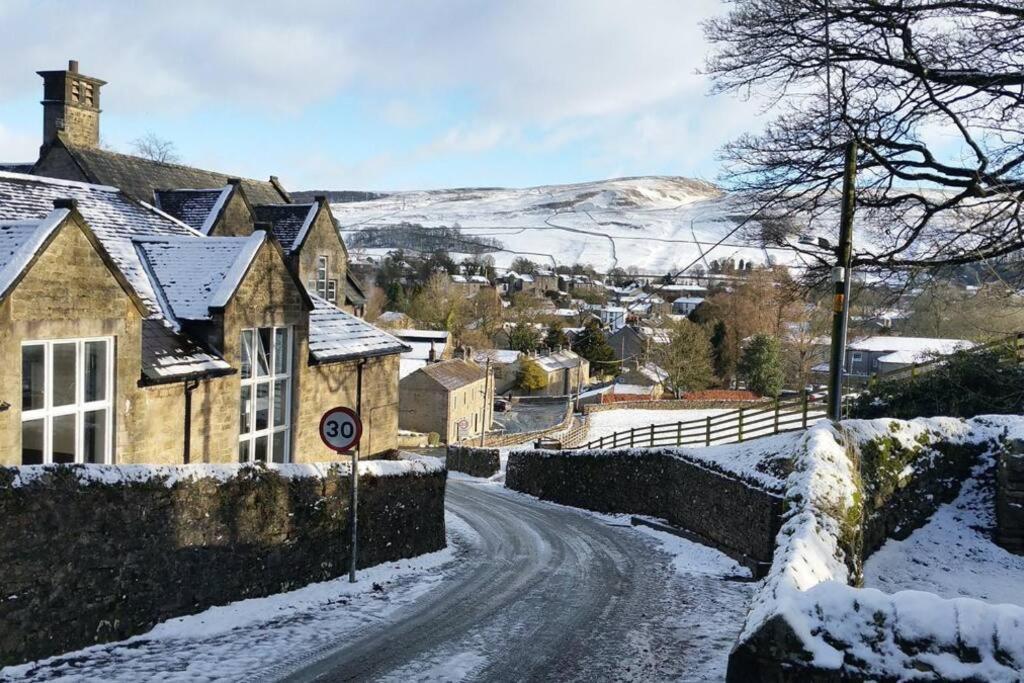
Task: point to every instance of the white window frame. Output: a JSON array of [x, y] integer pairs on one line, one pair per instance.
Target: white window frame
[[270, 379], [856, 357], [79, 407], [323, 264], [332, 291]]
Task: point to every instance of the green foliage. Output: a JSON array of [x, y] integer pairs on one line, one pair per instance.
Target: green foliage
[[964, 384], [523, 266], [555, 336], [524, 337], [761, 365], [531, 377], [592, 345]]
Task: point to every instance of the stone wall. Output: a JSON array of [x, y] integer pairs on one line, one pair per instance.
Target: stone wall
[[738, 517], [476, 462], [92, 554], [1010, 499]]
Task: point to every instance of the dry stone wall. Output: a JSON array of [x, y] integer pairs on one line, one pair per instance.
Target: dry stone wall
[[92, 554], [476, 462]]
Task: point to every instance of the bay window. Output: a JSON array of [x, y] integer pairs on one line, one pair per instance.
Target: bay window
[[265, 405], [67, 389]]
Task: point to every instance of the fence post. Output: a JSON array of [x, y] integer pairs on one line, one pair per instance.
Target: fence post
[[632, 436], [707, 430], [776, 414], [804, 407], [739, 428], [652, 434], [679, 433]]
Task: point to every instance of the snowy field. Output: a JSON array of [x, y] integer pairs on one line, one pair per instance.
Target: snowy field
[[953, 554], [607, 422], [655, 223]]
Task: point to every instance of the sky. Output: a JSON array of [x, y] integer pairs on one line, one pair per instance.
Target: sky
[[382, 95]]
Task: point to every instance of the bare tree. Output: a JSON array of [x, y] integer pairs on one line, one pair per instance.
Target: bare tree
[[151, 146], [932, 91]]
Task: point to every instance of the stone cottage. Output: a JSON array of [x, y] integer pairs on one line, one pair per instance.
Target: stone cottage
[[135, 338], [454, 398]]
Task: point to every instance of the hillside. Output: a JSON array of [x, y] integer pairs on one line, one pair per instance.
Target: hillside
[[655, 223]]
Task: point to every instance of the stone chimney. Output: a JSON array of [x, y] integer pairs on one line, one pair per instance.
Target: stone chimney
[[432, 354], [71, 107]]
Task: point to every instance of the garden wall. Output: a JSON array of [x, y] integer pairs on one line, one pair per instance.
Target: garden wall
[[476, 462], [740, 518], [809, 621], [1010, 499], [94, 553]]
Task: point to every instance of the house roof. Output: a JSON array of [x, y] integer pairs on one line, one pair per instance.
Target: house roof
[[335, 335], [196, 276], [289, 222], [914, 345], [497, 356], [169, 356], [558, 361], [20, 242], [140, 177], [198, 209], [453, 374], [354, 294], [411, 335]]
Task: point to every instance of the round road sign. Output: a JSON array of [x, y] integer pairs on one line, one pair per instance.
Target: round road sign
[[340, 429]]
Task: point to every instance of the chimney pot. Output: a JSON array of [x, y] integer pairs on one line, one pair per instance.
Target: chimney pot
[[320, 198], [65, 203], [234, 181], [73, 66]]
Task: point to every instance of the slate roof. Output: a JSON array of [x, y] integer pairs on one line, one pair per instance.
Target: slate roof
[[197, 275], [168, 356], [196, 208], [558, 361], [335, 335], [20, 241], [139, 177], [454, 373], [289, 222], [354, 294]]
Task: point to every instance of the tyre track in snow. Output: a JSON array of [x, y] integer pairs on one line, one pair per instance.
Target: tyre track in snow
[[548, 593]]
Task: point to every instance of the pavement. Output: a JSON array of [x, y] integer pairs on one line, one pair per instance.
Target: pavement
[[546, 593], [526, 416]]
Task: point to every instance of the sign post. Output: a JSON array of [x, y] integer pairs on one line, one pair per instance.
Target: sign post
[[341, 429]]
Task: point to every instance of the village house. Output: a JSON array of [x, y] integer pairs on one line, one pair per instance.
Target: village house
[[452, 398], [566, 373], [132, 338], [635, 342], [212, 203], [504, 365], [424, 346], [878, 355]]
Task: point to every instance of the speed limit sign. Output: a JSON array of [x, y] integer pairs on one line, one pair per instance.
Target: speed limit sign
[[340, 429]]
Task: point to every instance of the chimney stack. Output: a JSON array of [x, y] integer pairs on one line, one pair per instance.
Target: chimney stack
[[71, 107], [432, 354]]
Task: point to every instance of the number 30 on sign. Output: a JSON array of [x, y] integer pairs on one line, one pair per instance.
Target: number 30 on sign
[[341, 429]]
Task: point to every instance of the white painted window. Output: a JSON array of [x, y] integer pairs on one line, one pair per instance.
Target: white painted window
[[321, 276], [265, 408], [332, 291], [856, 357], [67, 390]]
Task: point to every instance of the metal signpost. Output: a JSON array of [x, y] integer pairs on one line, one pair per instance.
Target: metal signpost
[[341, 429]]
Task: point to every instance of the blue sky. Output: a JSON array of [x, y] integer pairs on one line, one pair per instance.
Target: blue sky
[[387, 95]]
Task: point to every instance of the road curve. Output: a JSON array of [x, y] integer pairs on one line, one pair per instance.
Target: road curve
[[546, 593]]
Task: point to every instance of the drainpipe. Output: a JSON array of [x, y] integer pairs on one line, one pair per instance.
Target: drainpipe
[[190, 385]]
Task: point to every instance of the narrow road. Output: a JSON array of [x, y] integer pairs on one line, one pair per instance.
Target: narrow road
[[548, 593]]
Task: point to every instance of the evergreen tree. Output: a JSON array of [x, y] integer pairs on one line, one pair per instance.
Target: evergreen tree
[[524, 337], [761, 365], [555, 336], [592, 345], [531, 377]]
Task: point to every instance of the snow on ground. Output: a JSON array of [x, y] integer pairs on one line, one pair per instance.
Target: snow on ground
[[228, 643], [693, 558], [607, 422], [653, 223], [953, 554]]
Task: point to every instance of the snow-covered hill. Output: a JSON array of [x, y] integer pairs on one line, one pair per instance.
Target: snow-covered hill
[[655, 223]]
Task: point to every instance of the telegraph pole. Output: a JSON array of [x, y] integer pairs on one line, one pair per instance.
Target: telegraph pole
[[841, 279]]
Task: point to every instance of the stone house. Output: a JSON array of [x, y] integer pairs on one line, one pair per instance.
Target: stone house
[[504, 364], [635, 342], [566, 373], [136, 339], [424, 346], [213, 203], [454, 398]]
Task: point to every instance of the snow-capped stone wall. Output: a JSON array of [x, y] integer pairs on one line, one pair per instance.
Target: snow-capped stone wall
[[735, 512], [1010, 501], [476, 462], [809, 621], [96, 553]]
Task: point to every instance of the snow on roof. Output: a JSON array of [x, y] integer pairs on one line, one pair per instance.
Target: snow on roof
[[691, 300], [497, 356], [114, 218], [289, 222], [525, 278], [197, 275], [410, 334], [459, 279], [171, 356], [420, 350], [632, 390], [197, 208], [558, 361], [657, 335], [916, 345], [653, 372], [479, 279], [20, 241], [392, 316], [335, 335], [407, 366]]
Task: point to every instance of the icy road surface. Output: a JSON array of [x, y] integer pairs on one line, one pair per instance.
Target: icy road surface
[[552, 593], [527, 590]]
